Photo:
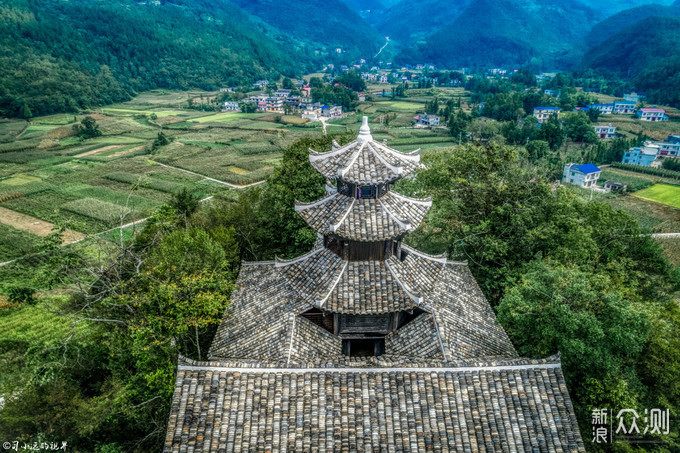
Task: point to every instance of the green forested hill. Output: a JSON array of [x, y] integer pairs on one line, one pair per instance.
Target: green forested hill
[[504, 32], [648, 53], [619, 21], [62, 56], [637, 47], [408, 21], [324, 24]]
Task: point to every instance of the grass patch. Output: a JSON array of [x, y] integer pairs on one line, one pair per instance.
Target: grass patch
[[671, 248], [662, 193], [633, 183], [99, 210]]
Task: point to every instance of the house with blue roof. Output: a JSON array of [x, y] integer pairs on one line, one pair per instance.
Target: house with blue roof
[[543, 114], [585, 175]]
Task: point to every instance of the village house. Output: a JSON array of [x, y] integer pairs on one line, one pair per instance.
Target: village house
[[670, 147], [281, 93], [426, 120], [652, 114], [605, 132], [331, 111], [361, 97], [624, 107], [231, 106], [644, 155], [633, 97], [553, 93], [585, 175], [261, 84], [543, 114], [364, 343], [274, 104], [614, 186], [605, 109], [228, 90], [384, 78]]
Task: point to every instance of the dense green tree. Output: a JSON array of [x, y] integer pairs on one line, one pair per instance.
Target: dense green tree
[[552, 132], [538, 149], [671, 164], [352, 80], [578, 127], [185, 202], [593, 114], [88, 128], [458, 124]]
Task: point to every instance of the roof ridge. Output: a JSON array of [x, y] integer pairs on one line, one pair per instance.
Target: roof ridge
[[397, 170], [403, 225], [316, 155], [282, 262], [300, 205], [403, 286], [415, 154], [335, 283], [355, 156], [334, 227], [442, 258], [424, 201], [257, 263]]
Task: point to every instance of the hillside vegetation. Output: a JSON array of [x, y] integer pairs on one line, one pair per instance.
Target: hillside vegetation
[[323, 24], [502, 32], [63, 56], [614, 24]]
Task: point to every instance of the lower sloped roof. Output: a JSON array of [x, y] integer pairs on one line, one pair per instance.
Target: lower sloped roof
[[519, 405]]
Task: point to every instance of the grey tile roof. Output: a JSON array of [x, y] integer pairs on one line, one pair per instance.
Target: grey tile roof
[[365, 162], [258, 323], [388, 217], [511, 407]]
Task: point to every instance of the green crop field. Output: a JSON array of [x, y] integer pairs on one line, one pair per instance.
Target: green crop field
[[662, 193]]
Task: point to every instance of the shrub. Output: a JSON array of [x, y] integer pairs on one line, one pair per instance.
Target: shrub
[[21, 295]]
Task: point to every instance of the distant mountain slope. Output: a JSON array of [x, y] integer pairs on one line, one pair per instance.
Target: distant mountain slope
[[637, 47], [65, 55], [505, 32], [365, 8], [609, 7], [619, 21], [326, 23], [409, 21]]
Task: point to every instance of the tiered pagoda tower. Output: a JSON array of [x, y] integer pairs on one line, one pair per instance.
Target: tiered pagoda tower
[[366, 344]]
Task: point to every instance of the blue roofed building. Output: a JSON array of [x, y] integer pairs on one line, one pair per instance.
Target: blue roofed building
[[585, 175]]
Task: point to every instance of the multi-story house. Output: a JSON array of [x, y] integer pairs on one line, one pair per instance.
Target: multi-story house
[[605, 132], [644, 155], [427, 120], [605, 109], [543, 114], [585, 175], [624, 107], [652, 114], [230, 106]]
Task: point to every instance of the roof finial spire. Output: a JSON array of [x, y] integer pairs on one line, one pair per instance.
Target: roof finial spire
[[365, 131]]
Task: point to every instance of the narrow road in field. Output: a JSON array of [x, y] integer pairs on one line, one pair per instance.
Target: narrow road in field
[[665, 235], [235, 186]]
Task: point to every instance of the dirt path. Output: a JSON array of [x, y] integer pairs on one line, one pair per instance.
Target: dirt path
[[99, 150], [127, 151], [235, 186], [35, 226]]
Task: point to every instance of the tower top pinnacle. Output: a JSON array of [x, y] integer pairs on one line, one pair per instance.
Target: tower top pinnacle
[[365, 131]]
